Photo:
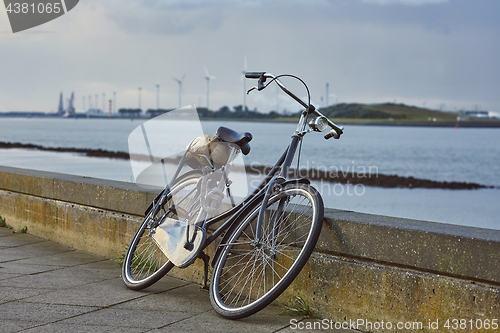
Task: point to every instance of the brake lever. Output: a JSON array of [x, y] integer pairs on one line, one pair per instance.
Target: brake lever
[[332, 134], [260, 87], [253, 88]]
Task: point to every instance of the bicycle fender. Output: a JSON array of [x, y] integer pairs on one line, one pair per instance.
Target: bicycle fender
[[153, 202], [297, 181], [167, 188]]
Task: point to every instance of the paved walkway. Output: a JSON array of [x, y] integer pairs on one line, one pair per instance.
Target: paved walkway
[[47, 287]]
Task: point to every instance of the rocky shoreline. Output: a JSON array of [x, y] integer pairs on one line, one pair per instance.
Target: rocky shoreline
[[83, 151], [379, 180]]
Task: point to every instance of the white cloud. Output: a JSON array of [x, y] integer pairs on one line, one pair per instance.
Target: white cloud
[[164, 18], [405, 2], [367, 52]]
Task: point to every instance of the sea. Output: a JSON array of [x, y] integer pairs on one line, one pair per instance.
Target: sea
[[435, 153]]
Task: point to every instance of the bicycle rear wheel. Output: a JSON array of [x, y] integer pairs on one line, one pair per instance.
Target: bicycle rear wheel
[[249, 275], [144, 262]]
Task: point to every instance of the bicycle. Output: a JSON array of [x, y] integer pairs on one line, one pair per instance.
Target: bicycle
[[264, 241]]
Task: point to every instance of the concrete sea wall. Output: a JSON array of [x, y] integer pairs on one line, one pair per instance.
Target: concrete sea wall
[[370, 272]]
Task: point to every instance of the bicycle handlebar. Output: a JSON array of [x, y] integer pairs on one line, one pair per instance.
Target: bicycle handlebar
[[336, 131], [254, 75]]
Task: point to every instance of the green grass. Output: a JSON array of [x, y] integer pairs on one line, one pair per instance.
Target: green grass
[[297, 307], [3, 223], [120, 260], [22, 230]]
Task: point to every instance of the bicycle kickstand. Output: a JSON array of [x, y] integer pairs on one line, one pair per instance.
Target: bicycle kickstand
[[206, 260]]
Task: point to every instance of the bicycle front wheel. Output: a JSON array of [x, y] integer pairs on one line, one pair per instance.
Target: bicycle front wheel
[[250, 273], [145, 263]]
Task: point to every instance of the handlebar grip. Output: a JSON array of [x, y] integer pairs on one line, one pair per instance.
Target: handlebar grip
[[332, 134], [254, 75]]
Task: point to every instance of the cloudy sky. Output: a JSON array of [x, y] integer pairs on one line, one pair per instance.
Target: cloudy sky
[[433, 53]]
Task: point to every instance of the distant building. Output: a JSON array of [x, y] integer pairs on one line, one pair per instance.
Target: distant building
[[473, 115], [60, 108], [61, 111], [477, 114], [71, 109], [151, 113], [130, 113]]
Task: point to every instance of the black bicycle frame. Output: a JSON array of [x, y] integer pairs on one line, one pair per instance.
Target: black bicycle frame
[[260, 194]]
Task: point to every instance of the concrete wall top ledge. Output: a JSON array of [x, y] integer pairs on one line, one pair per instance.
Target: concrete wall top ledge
[[100, 193], [466, 252], [416, 225]]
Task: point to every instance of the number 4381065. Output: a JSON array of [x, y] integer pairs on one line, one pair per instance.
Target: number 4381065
[[40, 8], [471, 324]]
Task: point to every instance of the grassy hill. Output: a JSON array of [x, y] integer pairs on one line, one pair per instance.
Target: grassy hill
[[385, 113], [354, 113]]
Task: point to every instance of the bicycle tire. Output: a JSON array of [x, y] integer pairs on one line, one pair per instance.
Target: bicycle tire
[[248, 277], [144, 263]]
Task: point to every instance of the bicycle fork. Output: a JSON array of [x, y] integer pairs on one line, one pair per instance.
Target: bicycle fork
[[273, 189]]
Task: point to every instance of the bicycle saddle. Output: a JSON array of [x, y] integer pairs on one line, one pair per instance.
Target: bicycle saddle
[[231, 136]]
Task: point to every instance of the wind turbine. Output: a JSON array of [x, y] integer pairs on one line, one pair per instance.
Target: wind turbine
[[208, 78], [180, 88], [244, 83], [327, 94], [140, 89], [157, 94]]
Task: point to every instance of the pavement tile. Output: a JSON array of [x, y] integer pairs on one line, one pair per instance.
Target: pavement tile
[[38, 249], [106, 268], [166, 283], [24, 311], [190, 298], [4, 276], [11, 240], [128, 318], [67, 258], [66, 328], [106, 271], [99, 294], [6, 232], [56, 279], [8, 294], [18, 268], [267, 321], [16, 325]]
